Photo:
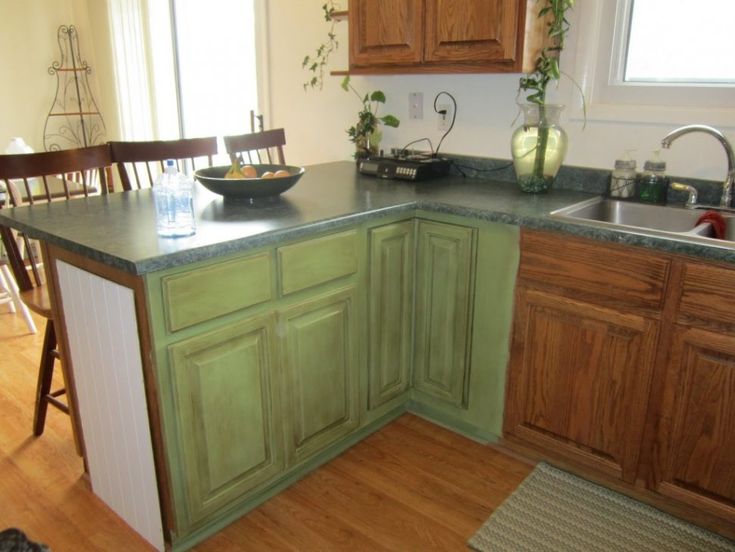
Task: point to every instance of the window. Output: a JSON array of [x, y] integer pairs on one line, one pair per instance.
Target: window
[[678, 42], [654, 60], [189, 69]]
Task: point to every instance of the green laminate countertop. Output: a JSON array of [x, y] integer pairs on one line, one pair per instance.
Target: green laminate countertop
[[119, 229]]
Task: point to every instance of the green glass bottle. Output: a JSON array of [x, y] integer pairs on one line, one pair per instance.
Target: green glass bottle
[[653, 184]]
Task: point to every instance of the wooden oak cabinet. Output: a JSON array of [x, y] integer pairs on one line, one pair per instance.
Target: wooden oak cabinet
[[390, 311], [623, 366], [444, 36], [444, 293], [581, 380], [695, 452]]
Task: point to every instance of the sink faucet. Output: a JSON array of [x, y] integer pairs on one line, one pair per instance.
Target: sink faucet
[[727, 186]]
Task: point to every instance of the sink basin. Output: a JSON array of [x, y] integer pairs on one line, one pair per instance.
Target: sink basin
[[629, 215]]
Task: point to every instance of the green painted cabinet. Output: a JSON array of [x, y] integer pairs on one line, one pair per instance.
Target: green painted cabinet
[[390, 311], [320, 358], [226, 388], [444, 297]]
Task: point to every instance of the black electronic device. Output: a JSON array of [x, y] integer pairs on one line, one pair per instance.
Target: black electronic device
[[405, 168]]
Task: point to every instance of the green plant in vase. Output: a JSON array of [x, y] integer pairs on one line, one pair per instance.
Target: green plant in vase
[[539, 145], [366, 133]]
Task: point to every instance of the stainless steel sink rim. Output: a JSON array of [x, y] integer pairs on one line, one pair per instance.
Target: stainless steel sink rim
[[596, 212]]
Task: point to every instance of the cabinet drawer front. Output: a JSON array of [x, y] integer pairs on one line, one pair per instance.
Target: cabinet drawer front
[[313, 262], [206, 293], [708, 294], [605, 273]]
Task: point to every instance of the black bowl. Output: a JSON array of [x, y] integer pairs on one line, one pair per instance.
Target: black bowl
[[213, 179]]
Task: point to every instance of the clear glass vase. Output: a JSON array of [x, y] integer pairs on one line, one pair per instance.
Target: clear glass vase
[[538, 147]]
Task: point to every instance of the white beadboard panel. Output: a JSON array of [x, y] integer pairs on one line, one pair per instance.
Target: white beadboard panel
[[105, 353]]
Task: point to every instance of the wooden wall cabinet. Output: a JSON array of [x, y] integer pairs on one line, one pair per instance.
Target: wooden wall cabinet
[[623, 366], [440, 36]]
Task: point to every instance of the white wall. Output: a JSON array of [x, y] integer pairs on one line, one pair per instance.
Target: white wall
[[28, 47], [315, 121]]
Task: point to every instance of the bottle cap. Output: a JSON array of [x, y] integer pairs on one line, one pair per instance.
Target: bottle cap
[[655, 163], [625, 164]]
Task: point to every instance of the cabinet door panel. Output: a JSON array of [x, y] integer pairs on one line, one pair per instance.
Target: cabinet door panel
[[321, 363], [698, 422], [390, 311], [226, 389], [384, 32], [444, 287], [471, 30], [580, 380]]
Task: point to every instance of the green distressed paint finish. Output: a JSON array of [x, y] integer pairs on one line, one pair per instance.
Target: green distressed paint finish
[[390, 304], [322, 371], [199, 295], [333, 353], [225, 384], [444, 293], [313, 262]]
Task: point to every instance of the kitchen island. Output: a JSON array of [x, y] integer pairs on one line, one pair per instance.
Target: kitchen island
[[210, 372]]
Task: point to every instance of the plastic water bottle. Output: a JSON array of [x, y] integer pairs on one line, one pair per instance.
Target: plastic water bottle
[[173, 196]]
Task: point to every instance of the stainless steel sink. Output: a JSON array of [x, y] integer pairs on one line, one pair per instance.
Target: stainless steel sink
[[628, 215]]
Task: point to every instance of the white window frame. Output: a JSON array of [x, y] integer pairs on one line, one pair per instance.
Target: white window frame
[[595, 57]]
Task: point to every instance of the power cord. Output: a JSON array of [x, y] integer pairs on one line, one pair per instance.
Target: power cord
[[434, 152], [444, 112]]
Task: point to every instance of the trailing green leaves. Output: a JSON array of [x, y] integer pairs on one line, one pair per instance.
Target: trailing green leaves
[[546, 67], [316, 64]]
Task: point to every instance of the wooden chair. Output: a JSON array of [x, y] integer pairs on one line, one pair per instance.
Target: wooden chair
[[145, 159], [44, 177], [258, 146]]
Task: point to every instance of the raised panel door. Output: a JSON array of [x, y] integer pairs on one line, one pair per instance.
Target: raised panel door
[[444, 292], [696, 464], [390, 306], [471, 30], [579, 381], [226, 393], [385, 32], [321, 362]]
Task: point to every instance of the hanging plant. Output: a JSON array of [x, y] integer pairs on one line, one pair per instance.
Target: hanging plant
[[316, 63]]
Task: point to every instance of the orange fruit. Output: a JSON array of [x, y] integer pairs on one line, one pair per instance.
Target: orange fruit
[[248, 171], [281, 173], [267, 174]]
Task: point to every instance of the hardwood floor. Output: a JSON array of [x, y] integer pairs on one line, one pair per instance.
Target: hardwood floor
[[410, 486]]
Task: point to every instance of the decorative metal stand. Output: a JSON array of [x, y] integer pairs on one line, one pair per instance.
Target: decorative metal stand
[[74, 119]]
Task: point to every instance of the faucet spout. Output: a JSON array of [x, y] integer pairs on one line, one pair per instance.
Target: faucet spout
[[729, 183]]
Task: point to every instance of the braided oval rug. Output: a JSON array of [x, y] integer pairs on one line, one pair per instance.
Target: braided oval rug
[[553, 510]]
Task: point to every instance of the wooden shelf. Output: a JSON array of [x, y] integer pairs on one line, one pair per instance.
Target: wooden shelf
[[341, 15]]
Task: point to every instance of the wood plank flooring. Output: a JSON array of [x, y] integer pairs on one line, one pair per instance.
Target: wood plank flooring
[[410, 486]]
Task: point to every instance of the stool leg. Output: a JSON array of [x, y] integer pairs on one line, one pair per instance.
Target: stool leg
[[45, 375], [17, 301]]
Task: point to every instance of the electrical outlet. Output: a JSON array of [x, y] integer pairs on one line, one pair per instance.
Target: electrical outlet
[[415, 105], [444, 116]]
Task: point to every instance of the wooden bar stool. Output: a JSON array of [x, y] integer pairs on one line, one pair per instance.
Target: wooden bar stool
[[34, 178], [144, 160], [259, 147]]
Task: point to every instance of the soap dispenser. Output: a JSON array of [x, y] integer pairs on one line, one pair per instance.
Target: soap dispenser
[[653, 184], [622, 179]]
